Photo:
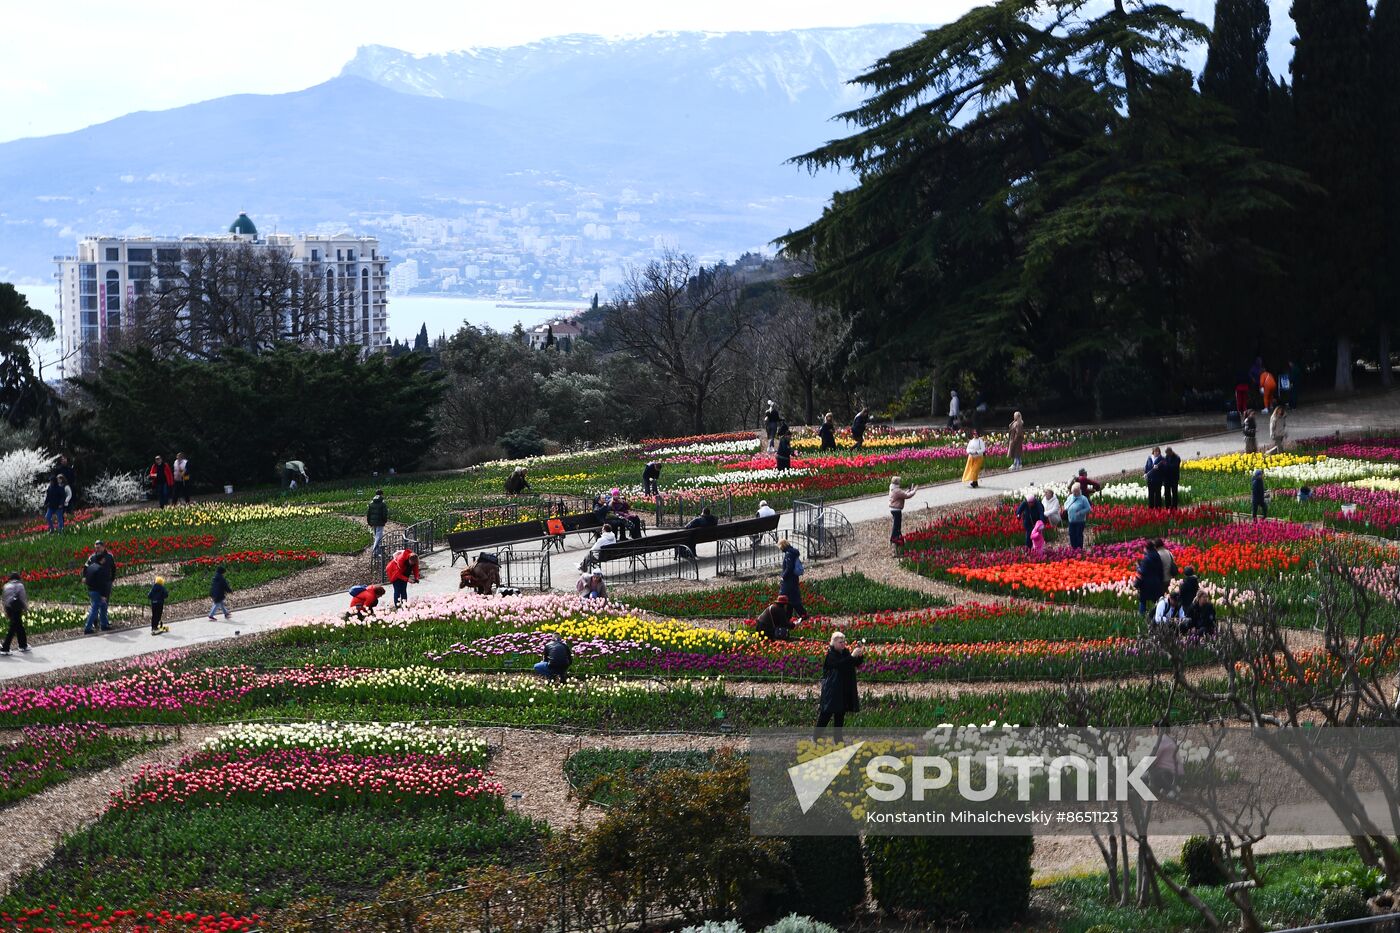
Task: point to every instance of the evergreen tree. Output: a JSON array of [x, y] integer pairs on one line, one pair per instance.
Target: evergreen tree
[[1385, 108], [23, 395], [420, 343], [1237, 65], [1336, 146]]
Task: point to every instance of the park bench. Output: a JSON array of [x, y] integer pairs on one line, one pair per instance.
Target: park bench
[[640, 554]]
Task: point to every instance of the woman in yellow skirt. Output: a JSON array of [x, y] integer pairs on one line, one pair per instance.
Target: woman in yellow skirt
[[976, 455]]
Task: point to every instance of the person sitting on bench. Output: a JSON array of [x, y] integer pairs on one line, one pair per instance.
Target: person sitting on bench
[[619, 507], [557, 658], [595, 554], [775, 622], [703, 520]]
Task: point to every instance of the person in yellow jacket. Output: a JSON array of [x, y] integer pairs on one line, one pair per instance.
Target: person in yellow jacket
[[976, 456]]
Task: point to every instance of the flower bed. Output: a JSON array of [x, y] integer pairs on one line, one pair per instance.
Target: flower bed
[[253, 558], [53, 919], [48, 755]]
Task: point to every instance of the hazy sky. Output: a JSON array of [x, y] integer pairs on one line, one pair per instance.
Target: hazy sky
[[66, 64]]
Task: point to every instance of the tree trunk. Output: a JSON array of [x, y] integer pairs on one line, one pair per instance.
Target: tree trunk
[[1344, 381], [1387, 378], [809, 389]]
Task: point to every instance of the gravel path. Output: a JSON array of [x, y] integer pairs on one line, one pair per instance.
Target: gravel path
[[35, 825]]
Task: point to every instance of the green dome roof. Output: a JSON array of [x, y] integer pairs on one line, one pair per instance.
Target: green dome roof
[[243, 225]]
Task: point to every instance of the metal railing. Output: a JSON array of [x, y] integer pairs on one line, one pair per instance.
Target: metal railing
[[824, 528], [1385, 923], [422, 538], [656, 566], [675, 511], [526, 568], [734, 556]]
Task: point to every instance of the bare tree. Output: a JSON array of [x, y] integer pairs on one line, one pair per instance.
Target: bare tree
[[222, 295], [686, 322], [803, 340]]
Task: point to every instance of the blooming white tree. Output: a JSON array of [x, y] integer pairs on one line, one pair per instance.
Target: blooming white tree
[[115, 489], [19, 471]]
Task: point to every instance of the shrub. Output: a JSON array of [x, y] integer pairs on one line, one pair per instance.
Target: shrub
[[1343, 904], [828, 878], [796, 923], [979, 880], [711, 926], [19, 471], [521, 442], [115, 489], [1203, 861]]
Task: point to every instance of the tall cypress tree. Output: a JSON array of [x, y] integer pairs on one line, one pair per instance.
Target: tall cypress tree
[[1385, 106], [1336, 146], [1237, 65]]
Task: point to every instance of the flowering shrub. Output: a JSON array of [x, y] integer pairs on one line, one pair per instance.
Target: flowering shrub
[[115, 489], [19, 470]]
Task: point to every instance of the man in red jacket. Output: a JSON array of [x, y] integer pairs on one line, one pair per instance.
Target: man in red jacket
[[402, 568], [162, 480]]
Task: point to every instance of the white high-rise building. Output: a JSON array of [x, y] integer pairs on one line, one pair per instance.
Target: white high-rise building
[[403, 278], [99, 287]]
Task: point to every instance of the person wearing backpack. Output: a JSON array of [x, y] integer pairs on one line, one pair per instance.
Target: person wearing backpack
[[98, 574], [363, 598], [16, 602], [219, 590], [158, 595], [790, 585]]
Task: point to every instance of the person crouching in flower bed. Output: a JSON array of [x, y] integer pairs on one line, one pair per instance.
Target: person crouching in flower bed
[[775, 622], [1169, 611], [1200, 617], [483, 575], [362, 599], [590, 585], [557, 658], [839, 695]]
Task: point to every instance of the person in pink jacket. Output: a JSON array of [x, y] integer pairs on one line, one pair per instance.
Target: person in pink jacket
[[898, 496], [1038, 538]]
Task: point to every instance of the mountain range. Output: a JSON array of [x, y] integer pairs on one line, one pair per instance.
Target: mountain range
[[698, 125]]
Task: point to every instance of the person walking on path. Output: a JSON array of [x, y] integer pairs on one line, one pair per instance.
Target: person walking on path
[[162, 480], [16, 603], [516, 483], [56, 503], [376, 517], [402, 568], [898, 496], [976, 456], [790, 585], [771, 417], [219, 592], [1278, 429], [827, 432], [1258, 497], [156, 596], [1087, 486], [1268, 387], [1288, 384], [858, 424], [1030, 511], [651, 479], [181, 469], [1077, 508], [1171, 478], [1015, 440], [98, 574], [1250, 430], [839, 695], [1149, 582], [775, 621], [954, 408], [783, 457], [1152, 475]]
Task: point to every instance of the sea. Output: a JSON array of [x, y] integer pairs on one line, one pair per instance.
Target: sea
[[443, 315]]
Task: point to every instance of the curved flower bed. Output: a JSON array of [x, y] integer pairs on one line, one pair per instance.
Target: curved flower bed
[[253, 558]]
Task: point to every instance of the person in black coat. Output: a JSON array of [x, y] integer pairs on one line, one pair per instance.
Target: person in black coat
[[1258, 498], [784, 446], [651, 474], [775, 622], [1200, 617], [789, 583], [1170, 471], [839, 695], [1030, 511], [1151, 578], [827, 432], [858, 427], [1188, 588], [770, 422], [1152, 475]]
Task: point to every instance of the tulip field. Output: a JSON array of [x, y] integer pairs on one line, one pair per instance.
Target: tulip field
[[350, 753]]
